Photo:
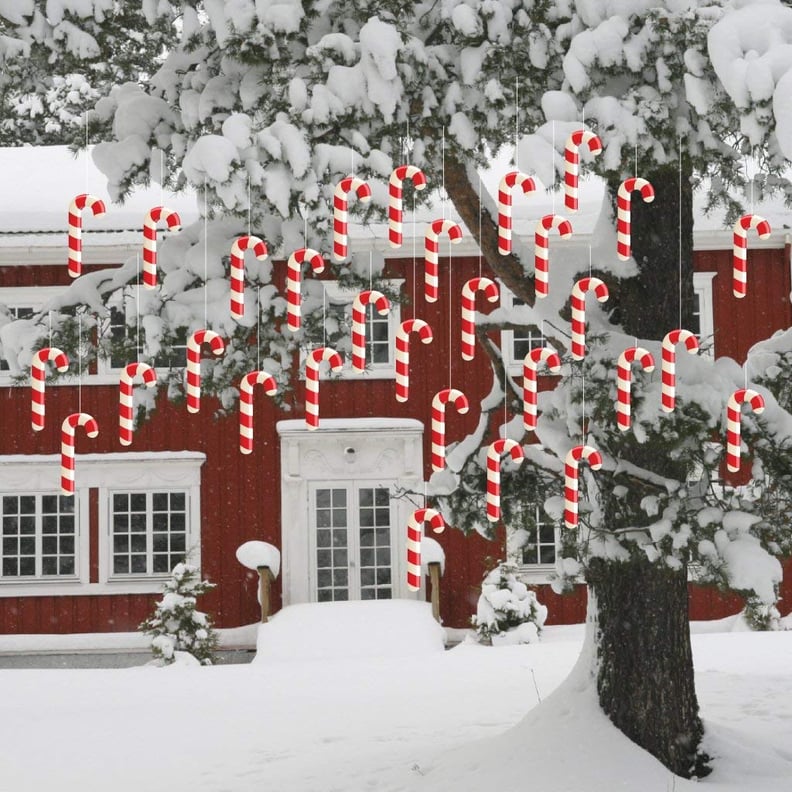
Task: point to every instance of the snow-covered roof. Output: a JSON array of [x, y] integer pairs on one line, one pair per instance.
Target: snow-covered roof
[[298, 426]]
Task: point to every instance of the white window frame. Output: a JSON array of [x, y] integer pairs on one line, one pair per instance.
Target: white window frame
[[539, 573], [337, 295], [513, 365], [702, 286]]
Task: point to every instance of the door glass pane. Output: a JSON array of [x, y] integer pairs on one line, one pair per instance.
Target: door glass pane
[[332, 565], [375, 545]]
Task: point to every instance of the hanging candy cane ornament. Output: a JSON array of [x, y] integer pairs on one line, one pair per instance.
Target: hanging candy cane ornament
[[382, 305], [68, 428], [531, 362], [733, 428], [341, 212], [125, 397], [572, 163], [150, 241], [249, 381], [38, 376], [439, 402], [507, 184], [624, 212], [294, 280], [541, 245], [740, 249], [571, 474], [431, 249], [403, 353], [395, 194], [194, 344], [668, 365], [494, 454], [414, 535], [578, 303], [237, 270], [469, 311], [624, 381], [312, 364], [81, 202]]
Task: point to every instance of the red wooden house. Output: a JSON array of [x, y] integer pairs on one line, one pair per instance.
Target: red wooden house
[[95, 562]]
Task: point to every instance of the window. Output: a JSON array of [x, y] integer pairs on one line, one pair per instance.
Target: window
[[39, 533], [540, 549], [704, 323], [516, 344]]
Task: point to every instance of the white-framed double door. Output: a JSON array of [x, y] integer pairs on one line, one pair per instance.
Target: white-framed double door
[[351, 540]]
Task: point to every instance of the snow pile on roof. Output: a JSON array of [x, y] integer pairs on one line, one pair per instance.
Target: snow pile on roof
[[335, 630]]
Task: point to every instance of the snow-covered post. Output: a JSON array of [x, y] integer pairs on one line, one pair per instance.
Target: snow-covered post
[[433, 558], [264, 559]]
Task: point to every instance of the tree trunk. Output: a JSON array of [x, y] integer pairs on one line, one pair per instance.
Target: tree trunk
[[644, 661]]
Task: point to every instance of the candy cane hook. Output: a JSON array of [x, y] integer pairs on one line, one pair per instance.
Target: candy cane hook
[[571, 475], [740, 249], [414, 535], [439, 402], [403, 353], [468, 325], [431, 249], [294, 279], [237, 270], [505, 187], [531, 362], [624, 380], [38, 376], [578, 303], [312, 364], [733, 426], [249, 381], [541, 245], [624, 212], [382, 305], [81, 202], [395, 204], [341, 212], [194, 344], [668, 365], [572, 163], [125, 397], [494, 454], [70, 424], [150, 241]]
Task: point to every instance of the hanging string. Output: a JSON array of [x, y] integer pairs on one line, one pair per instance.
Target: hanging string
[[50, 328], [371, 268], [258, 329], [85, 161], [137, 311], [250, 205], [443, 174], [481, 257], [553, 155], [450, 319], [324, 315], [162, 176], [206, 257], [679, 225], [636, 160], [414, 254], [516, 121], [589, 261], [79, 362], [583, 392]]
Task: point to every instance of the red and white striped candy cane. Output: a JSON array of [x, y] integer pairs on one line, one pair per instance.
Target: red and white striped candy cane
[[246, 405], [382, 305], [395, 204], [38, 376], [578, 303], [530, 363], [572, 163], [312, 364], [494, 453], [403, 353], [431, 249], [468, 325], [740, 249], [624, 212], [294, 280], [70, 424], [541, 245], [733, 415], [237, 270], [439, 402], [341, 212], [571, 473], [414, 535], [97, 207], [125, 398], [194, 344], [511, 180], [624, 381], [668, 366], [150, 241]]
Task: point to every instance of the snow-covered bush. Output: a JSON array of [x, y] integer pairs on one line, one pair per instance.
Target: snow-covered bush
[[508, 611], [176, 626]]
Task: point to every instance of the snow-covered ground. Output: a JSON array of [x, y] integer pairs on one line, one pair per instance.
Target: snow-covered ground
[[330, 706]]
